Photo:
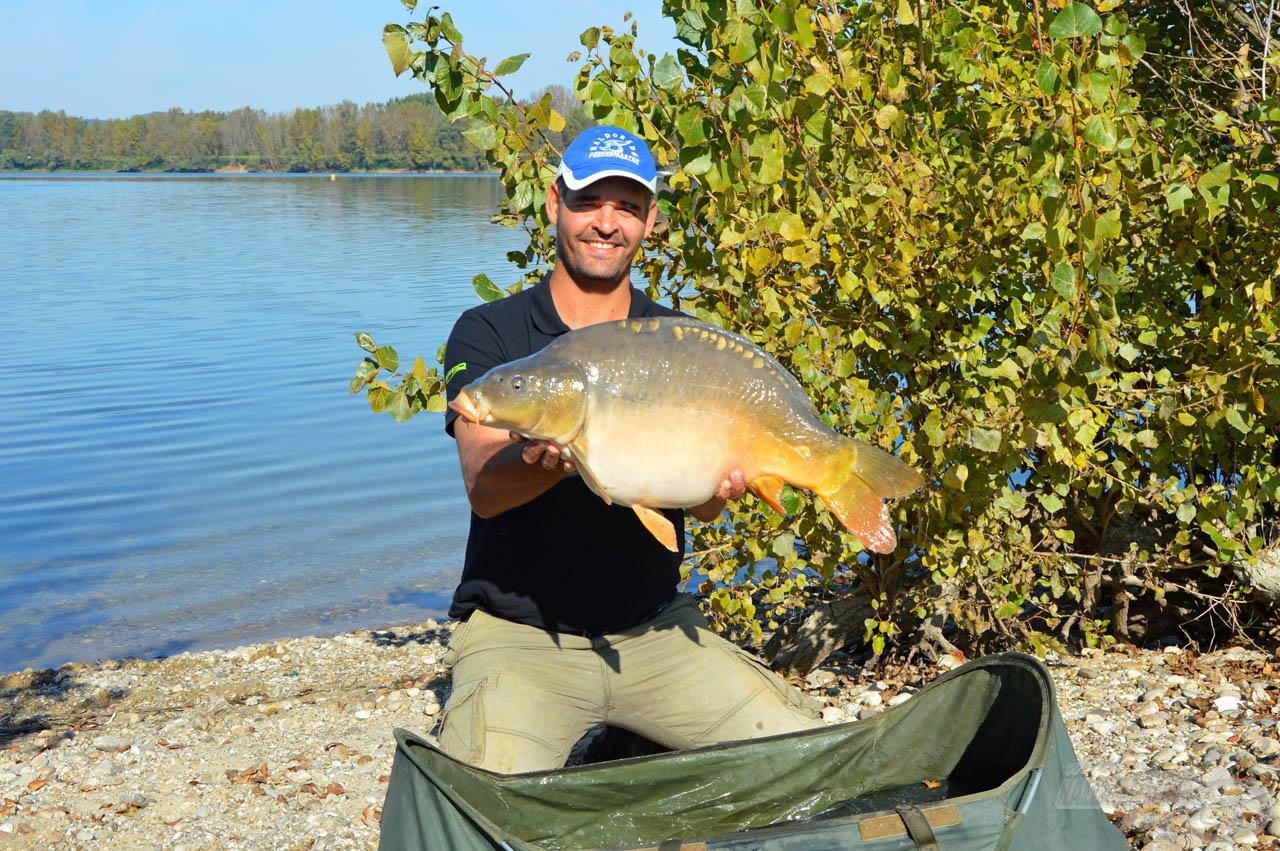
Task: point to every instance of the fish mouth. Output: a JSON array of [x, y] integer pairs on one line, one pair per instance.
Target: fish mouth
[[469, 408]]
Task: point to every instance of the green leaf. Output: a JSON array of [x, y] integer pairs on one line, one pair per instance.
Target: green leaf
[[396, 42], [985, 439], [790, 500], [1100, 131], [365, 342], [741, 36], [398, 408], [511, 64], [769, 150], [1033, 231], [449, 31], [379, 396], [693, 130], [1051, 501], [485, 288], [590, 37], [1176, 195], [420, 370], [906, 14], [1135, 44], [482, 134], [1236, 421], [555, 122], [886, 116], [387, 358], [1076, 20], [437, 404], [1186, 512], [1215, 177], [1064, 281], [784, 545], [792, 228], [667, 74], [1108, 226], [364, 372], [1047, 76]]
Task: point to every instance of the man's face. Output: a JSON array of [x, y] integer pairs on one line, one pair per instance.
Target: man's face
[[599, 228]]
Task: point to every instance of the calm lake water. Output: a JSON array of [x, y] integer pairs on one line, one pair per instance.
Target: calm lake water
[[180, 464]]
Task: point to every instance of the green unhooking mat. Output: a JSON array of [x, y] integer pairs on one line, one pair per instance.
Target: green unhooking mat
[[978, 759]]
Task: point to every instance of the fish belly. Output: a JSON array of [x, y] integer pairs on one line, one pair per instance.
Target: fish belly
[[659, 457]]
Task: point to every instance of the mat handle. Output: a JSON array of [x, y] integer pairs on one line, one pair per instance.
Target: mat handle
[[917, 827]]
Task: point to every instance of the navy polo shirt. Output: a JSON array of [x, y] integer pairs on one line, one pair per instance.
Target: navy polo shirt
[[564, 561]]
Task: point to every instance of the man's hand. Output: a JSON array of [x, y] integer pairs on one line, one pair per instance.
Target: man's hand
[[542, 452], [731, 487]]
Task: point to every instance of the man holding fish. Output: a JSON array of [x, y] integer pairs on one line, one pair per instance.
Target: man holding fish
[[580, 451]]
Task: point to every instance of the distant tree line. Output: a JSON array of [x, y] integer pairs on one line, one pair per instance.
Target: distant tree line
[[404, 133]]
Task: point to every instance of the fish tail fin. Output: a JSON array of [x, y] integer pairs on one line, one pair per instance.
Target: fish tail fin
[[872, 476]]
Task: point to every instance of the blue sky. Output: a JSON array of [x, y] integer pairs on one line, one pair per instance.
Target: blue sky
[[113, 58]]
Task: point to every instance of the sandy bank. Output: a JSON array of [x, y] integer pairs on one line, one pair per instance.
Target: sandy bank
[[288, 744]]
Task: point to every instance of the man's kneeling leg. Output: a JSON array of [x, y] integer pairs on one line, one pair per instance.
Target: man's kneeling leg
[[518, 708]]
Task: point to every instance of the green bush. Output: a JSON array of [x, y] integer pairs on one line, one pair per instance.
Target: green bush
[[983, 235]]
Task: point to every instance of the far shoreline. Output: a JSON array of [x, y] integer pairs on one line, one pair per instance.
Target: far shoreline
[[224, 171]]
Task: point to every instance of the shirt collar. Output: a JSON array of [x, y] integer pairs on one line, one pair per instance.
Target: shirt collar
[[548, 321]]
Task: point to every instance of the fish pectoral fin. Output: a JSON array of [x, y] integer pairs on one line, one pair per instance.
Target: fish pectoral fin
[[578, 451], [768, 489], [658, 525]]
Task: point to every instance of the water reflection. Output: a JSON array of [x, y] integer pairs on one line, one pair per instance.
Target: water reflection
[[182, 466]]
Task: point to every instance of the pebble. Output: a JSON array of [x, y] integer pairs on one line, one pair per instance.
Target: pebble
[[1130, 785], [1227, 703], [1265, 747], [112, 744], [820, 679], [1099, 724], [1245, 837]]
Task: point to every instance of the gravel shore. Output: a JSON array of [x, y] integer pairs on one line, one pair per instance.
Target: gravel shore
[[288, 745]]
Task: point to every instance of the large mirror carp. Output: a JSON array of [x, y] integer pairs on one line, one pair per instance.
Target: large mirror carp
[[656, 412]]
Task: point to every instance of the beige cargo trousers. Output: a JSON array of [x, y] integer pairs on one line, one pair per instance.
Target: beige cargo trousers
[[522, 696]]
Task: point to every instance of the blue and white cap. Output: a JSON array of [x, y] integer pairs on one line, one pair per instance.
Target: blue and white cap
[[600, 152]]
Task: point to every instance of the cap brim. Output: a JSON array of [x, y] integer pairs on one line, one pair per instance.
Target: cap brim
[[578, 183]]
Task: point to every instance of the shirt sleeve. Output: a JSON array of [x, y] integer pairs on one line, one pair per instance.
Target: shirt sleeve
[[473, 342]]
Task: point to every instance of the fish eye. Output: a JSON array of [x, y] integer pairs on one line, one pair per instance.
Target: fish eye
[[517, 383]]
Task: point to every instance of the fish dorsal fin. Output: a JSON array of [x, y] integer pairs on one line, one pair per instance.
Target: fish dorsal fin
[[768, 489], [658, 525], [578, 453]]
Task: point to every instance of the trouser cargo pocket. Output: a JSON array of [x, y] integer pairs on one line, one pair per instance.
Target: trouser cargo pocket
[[462, 726]]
